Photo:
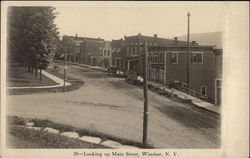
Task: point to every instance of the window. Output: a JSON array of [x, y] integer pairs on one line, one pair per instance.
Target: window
[[161, 58], [136, 51], [203, 90], [127, 50], [136, 43], [154, 59], [197, 57], [104, 52], [131, 43], [131, 51], [108, 53], [218, 83], [174, 57]]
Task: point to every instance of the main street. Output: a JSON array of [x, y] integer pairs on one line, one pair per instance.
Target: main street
[[112, 106]]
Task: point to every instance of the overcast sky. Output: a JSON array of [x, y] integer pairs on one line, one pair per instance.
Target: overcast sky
[[113, 20]]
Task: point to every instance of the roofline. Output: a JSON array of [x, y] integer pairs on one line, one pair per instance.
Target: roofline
[[170, 46], [86, 38]]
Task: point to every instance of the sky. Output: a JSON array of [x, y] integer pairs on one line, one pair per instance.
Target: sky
[[113, 20]]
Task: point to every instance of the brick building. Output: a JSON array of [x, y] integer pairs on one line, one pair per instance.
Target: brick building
[[133, 50], [84, 50], [118, 50]]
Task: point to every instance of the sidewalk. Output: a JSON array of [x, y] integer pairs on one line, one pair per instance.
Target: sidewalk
[[195, 101], [59, 82], [90, 66]]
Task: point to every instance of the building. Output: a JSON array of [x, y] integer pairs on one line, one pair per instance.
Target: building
[[107, 54], [134, 51], [118, 53], [84, 50], [168, 64]]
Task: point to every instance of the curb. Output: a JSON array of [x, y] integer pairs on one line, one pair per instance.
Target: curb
[[85, 138], [76, 84]]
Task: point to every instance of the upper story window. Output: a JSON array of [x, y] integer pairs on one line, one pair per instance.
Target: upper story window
[[174, 57], [127, 50], [154, 59], [136, 51], [108, 53], [136, 43], [104, 52], [131, 51], [197, 58], [131, 43], [161, 57]]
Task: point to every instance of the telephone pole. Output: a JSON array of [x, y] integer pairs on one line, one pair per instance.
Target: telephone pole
[[65, 67], [145, 81], [188, 49]]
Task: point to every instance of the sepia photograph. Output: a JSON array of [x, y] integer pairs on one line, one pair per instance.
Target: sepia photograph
[[133, 78]]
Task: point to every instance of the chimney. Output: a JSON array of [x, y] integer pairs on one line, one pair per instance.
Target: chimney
[[139, 34], [194, 43], [176, 38], [76, 34], [155, 35], [125, 37]]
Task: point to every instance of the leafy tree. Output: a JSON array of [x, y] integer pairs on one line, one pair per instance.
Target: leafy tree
[[33, 36]]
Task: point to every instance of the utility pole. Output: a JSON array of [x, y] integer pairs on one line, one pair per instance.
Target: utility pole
[[145, 81], [65, 67], [188, 49]]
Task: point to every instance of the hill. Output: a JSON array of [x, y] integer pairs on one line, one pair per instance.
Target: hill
[[208, 38]]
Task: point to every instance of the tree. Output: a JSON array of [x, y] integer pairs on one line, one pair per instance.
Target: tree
[[33, 36]]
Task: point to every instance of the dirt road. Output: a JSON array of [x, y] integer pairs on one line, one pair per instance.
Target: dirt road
[[112, 106]]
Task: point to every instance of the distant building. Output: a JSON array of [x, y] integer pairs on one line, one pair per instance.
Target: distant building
[[118, 53], [84, 50], [134, 50], [107, 54]]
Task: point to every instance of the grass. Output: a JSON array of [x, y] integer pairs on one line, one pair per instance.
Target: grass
[[21, 137], [81, 132], [19, 77]]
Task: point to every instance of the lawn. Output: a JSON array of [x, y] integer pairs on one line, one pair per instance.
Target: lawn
[[21, 137], [19, 77]]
